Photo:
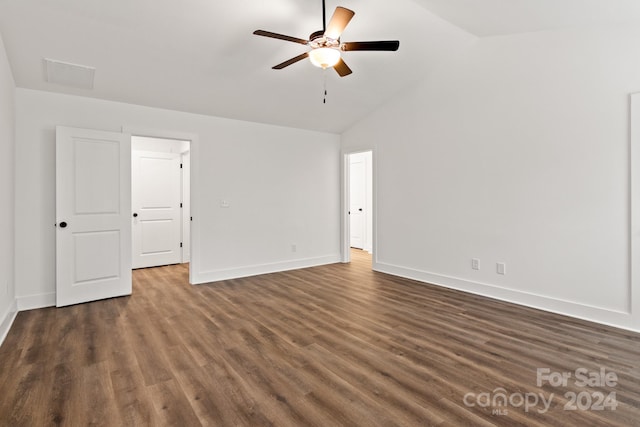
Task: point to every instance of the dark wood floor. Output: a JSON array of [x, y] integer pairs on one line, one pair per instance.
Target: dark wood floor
[[327, 346]]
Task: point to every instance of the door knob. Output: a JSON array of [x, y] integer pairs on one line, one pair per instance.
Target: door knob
[[135, 215], [63, 224], [360, 209]]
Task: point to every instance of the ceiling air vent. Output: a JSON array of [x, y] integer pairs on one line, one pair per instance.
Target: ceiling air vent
[[66, 74]]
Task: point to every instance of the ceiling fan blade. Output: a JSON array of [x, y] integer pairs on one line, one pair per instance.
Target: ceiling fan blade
[[291, 61], [388, 45], [338, 22], [342, 68], [280, 37]]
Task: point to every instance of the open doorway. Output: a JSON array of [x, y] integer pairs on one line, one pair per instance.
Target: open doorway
[[160, 200], [359, 202]]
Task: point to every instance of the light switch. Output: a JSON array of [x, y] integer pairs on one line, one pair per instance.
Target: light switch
[[224, 203], [501, 268]]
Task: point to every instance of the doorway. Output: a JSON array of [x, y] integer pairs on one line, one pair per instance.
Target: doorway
[[359, 202], [160, 179]]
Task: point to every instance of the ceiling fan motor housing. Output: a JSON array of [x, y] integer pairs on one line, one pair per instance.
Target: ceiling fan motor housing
[[318, 39]]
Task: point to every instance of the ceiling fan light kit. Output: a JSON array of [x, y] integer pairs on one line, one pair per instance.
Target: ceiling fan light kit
[[324, 57], [326, 46]]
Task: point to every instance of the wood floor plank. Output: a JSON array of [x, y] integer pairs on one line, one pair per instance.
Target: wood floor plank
[[208, 403], [335, 345], [128, 384], [172, 405]]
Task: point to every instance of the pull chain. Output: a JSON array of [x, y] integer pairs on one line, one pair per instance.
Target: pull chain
[[324, 77]]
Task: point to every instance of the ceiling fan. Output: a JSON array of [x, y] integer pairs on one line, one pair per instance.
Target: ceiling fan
[[326, 46]]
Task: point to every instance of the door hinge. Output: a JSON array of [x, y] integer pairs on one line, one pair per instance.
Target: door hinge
[[180, 204], [191, 218], [180, 244], [180, 165]]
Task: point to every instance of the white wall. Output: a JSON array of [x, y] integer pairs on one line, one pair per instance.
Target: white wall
[[282, 185], [7, 146], [516, 152]]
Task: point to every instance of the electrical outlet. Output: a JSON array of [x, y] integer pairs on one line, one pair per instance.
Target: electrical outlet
[[475, 263], [501, 268], [294, 248]]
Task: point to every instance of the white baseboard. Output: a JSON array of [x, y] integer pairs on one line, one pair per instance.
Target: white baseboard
[[31, 302], [7, 320], [254, 270], [618, 319]]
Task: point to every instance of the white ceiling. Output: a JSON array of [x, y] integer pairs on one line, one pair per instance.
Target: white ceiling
[[200, 56], [500, 17]]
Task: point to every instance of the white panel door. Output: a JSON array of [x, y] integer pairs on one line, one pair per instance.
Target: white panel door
[[357, 200], [157, 220], [93, 204]]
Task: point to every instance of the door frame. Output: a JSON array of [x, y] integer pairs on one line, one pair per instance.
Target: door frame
[[194, 147], [187, 209], [345, 203], [633, 308]]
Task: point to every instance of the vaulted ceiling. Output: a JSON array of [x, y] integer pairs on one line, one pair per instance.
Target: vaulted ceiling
[[201, 57]]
